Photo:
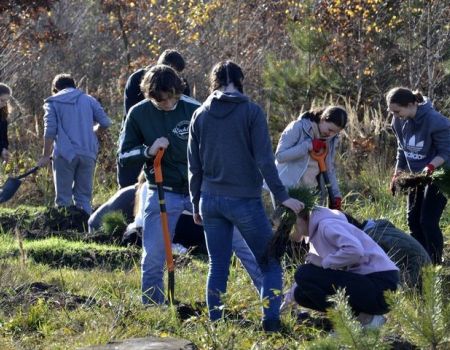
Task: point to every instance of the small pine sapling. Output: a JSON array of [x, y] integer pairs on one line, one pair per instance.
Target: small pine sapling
[[284, 220]]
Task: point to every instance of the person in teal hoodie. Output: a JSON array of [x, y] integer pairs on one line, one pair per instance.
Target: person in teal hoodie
[[161, 120], [72, 121], [423, 139], [127, 176]]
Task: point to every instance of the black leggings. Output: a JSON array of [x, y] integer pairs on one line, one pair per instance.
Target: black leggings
[[315, 284], [425, 207]]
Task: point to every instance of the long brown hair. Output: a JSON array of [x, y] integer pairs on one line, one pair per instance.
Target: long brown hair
[[403, 96], [334, 114]]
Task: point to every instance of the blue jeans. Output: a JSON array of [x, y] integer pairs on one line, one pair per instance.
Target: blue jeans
[[220, 215], [247, 259], [153, 253]]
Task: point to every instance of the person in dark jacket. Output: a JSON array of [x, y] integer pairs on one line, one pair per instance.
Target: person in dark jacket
[[229, 154], [5, 95], [72, 120], [127, 176], [423, 138]]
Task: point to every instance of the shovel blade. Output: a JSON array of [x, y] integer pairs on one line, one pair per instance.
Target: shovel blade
[[8, 190]]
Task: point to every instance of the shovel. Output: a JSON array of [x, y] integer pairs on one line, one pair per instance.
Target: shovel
[[165, 225], [320, 156], [11, 185]]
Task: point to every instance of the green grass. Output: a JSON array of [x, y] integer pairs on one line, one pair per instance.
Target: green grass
[[111, 276], [59, 252]]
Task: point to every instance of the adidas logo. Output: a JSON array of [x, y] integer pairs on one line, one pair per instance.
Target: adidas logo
[[412, 148]]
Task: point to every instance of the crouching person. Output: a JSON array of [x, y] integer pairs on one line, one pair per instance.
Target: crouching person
[[341, 256]]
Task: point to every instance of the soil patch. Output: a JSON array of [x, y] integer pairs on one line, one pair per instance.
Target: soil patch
[[28, 294]]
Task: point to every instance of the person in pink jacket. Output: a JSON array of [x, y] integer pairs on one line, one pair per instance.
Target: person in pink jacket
[[341, 256]]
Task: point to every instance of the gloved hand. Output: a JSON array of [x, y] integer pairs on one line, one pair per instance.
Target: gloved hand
[[318, 144], [336, 204], [429, 169], [392, 185]]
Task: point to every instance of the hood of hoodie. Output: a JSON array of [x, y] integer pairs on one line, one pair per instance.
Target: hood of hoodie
[[69, 96], [220, 104], [422, 110], [319, 214]]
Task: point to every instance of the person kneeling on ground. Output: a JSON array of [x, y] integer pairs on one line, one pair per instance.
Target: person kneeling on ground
[[403, 249], [341, 256]]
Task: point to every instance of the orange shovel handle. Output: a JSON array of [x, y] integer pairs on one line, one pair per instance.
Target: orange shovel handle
[[320, 157], [157, 166]]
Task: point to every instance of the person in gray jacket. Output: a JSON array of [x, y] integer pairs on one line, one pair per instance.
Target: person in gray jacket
[[423, 138], [72, 121], [229, 155], [312, 131]]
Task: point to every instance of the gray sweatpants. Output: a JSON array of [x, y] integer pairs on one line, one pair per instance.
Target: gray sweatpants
[[73, 181]]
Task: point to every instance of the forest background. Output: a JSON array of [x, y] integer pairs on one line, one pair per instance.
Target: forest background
[[295, 54]]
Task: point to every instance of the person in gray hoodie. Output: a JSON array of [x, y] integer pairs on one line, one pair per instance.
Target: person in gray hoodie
[[423, 139], [229, 154], [72, 121]]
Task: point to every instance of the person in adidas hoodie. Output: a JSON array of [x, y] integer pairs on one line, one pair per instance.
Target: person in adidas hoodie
[[342, 256], [72, 121], [229, 154], [423, 138]]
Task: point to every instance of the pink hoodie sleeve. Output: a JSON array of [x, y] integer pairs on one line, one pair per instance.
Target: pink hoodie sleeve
[[349, 249]]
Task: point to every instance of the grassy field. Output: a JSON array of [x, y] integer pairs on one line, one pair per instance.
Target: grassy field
[[59, 293], [60, 289]]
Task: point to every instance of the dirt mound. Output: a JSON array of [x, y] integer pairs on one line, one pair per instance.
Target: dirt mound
[[28, 294], [61, 219], [51, 219]]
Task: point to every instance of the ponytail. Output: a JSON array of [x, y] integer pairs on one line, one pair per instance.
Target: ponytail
[[403, 96], [333, 114], [419, 97], [224, 73]]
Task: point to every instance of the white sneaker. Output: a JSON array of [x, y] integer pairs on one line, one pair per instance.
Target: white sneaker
[[178, 249], [376, 322]]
